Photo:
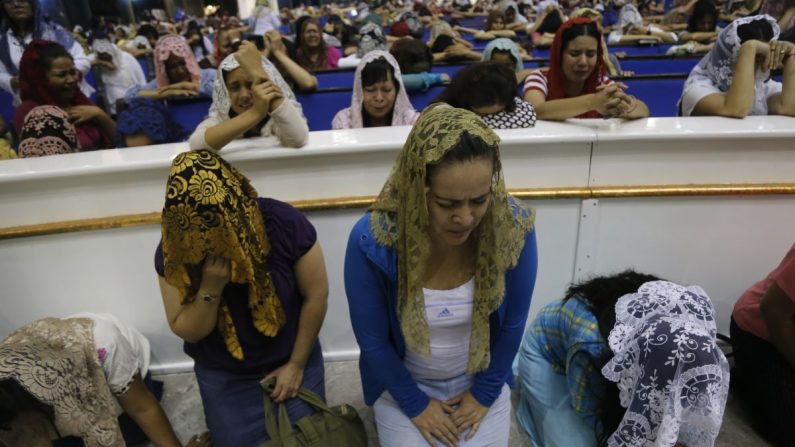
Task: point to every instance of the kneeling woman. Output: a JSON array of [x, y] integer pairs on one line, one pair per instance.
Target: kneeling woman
[[244, 284], [59, 378], [439, 276], [733, 79], [654, 339], [576, 84], [379, 97], [250, 99]]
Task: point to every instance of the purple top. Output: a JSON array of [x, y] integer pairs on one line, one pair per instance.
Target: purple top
[[291, 235]]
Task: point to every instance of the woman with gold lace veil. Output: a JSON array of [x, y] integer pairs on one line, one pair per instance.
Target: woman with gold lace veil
[[244, 285], [439, 275]]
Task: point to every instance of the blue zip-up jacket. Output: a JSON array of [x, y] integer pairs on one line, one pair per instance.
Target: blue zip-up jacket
[[372, 289]]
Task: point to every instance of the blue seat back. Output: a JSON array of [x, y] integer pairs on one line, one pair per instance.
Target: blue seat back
[[667, 65], [659, 93], [189, 112]]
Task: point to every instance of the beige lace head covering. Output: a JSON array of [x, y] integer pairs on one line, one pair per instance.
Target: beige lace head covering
[[56, 362], [400, 219], [212, 208]]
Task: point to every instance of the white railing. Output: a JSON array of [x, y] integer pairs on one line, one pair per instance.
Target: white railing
[[706, 201]]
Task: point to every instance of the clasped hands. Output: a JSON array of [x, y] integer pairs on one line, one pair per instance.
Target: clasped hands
[[773, 54], [612, 102], [446, 421]]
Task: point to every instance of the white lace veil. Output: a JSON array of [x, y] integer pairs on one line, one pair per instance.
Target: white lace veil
[[403, 113], [221, 102], [718, 65], [672, 377]]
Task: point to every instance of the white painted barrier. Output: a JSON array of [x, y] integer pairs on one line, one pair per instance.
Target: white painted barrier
[[723, 243]]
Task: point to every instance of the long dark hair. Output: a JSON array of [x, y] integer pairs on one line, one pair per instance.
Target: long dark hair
[[702, 9], [601, 293], [304, 51], [492, 17], [759, 29], [551, 22], [481, 84]]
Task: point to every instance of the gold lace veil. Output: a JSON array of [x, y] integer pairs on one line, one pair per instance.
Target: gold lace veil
[[211, 208], [55, 361], [400, 218]]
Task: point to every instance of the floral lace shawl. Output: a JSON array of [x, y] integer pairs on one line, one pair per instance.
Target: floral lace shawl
[[400, 219], [672, 377], [47, 130], [176, 45], [212, 208], [717, 67], [56, 362]]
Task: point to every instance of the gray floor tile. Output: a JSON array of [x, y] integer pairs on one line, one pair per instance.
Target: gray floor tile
[[183, 406]]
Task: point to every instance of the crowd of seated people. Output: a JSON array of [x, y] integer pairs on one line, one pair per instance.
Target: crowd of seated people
[[92, 73]]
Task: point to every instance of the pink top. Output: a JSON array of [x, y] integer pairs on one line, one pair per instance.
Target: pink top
[[332, 57], [176, 45], [746, 311]]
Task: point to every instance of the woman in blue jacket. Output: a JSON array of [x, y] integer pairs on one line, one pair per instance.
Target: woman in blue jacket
[[439, 275]]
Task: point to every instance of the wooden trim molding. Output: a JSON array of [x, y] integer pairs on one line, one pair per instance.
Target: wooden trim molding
[[597, 192]]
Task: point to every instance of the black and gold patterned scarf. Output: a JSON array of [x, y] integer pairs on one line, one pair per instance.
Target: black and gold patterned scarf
[[212, 209], [400, 220]]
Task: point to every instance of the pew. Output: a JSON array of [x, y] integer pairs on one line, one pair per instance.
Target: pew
[[189, 111], [643, 64], [659, 91]]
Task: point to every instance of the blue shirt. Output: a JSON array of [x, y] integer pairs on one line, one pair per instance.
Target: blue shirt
[[372, 290], [568, 335]]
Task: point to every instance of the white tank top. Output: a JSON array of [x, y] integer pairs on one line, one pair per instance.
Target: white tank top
[[449, 314]]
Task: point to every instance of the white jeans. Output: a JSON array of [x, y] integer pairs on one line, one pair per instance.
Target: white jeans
[[395, 429]]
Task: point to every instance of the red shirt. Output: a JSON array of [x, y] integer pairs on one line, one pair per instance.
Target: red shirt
[[746, 312]]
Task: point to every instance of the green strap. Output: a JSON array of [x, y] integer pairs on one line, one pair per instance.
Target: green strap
[[304, 394], [270, 419]]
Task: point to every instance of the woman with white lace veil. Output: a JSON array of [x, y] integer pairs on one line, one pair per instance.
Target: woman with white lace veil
[[672, 377], [118, 70], [623, 360], [250, 98], [379, 97], [733, 79]]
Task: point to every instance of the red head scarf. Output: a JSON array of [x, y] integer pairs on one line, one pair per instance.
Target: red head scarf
[[33, 84], [555, 77]]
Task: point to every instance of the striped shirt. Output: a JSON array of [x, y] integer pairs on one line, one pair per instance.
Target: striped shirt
[[568, 334], [538, 81]]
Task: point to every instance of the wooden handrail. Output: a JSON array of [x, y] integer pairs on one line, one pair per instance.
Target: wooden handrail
[[583, 193]]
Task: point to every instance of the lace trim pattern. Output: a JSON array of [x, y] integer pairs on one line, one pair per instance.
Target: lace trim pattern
[[672, 377], [56, 362]]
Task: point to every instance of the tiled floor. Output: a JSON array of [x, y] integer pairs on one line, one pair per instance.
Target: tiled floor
[[182, 403]]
